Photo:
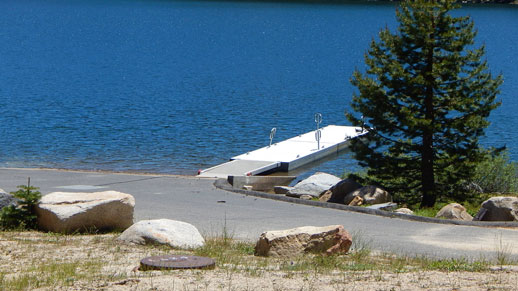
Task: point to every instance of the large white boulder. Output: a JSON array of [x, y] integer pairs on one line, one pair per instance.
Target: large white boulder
[[177, 234], [454, 211], [314, 185], [69, 211], [307, 239], [498, 209]]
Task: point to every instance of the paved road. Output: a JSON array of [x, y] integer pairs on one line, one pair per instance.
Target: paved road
[[198, 202]]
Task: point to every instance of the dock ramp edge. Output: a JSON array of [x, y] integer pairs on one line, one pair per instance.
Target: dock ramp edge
[[239, 168]]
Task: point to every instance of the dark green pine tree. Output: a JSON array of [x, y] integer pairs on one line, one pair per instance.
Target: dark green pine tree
[[425, 96]]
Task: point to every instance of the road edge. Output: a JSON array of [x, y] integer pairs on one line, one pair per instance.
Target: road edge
[[224, 185]]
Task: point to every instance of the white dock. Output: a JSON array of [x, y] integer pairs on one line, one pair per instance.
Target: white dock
[[287, 155]]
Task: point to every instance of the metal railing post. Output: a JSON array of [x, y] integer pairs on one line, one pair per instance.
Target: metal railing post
[[318, 132], [272, 134]]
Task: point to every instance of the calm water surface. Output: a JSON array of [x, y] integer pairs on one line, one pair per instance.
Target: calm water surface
[[175, 86]]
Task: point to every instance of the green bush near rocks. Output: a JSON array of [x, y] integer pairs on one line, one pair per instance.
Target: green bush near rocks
[[497, 174], [23, 215]]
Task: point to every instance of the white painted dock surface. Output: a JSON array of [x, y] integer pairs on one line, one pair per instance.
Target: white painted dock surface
[[288, 154]]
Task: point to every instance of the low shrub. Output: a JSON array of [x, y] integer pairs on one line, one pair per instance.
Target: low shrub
[[23, 215], [497, 174]]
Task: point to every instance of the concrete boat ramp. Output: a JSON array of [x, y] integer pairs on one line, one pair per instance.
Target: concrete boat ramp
[[289, 154]]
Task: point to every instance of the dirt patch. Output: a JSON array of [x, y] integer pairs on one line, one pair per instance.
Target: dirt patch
[[44, 261]]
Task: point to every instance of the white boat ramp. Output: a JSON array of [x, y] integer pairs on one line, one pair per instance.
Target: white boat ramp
[[289, 154]]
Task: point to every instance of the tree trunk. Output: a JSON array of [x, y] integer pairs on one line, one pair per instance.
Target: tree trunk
[[427, 153], [427, 172]]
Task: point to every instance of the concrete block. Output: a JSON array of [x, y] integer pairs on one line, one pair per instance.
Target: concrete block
[[260, 183]]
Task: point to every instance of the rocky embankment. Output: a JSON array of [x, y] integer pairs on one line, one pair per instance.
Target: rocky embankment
[[329, 188]]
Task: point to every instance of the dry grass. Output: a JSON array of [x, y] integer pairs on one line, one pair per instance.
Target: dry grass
[[44, 261]]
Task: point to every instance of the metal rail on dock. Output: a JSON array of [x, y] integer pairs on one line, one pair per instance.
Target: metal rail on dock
[[288, 154]]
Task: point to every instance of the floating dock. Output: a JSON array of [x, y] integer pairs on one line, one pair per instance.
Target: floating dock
[[287, 155]]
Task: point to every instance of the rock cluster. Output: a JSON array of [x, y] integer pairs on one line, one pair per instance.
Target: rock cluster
[[71, 212], [329, 188], [346, 191], [493, 209]]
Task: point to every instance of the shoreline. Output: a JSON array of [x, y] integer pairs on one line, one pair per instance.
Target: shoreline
[[101, 172]]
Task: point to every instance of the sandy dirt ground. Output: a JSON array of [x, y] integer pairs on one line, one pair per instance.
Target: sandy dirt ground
[[42, 261]]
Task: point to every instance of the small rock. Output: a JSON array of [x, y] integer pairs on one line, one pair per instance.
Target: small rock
[[176, 234], [383, 206], [404, 211], [282, 189], [505, 268], [357, 201], [324, 197], [454, 211], [370, 195], [248, 187], [308, 239], [306, 197], [314, 185], [499, 209]]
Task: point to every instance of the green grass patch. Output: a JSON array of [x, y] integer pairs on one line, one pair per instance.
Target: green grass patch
[[51, 274], [451, 265], [430, 211]]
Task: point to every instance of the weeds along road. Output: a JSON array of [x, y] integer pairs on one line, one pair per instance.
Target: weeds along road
[[213, 211]]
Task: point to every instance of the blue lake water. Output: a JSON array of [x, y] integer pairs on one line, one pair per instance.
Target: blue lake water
[[176, 86]]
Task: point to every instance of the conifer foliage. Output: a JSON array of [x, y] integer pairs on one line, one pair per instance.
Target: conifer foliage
[[426, 95], [22, 215]]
